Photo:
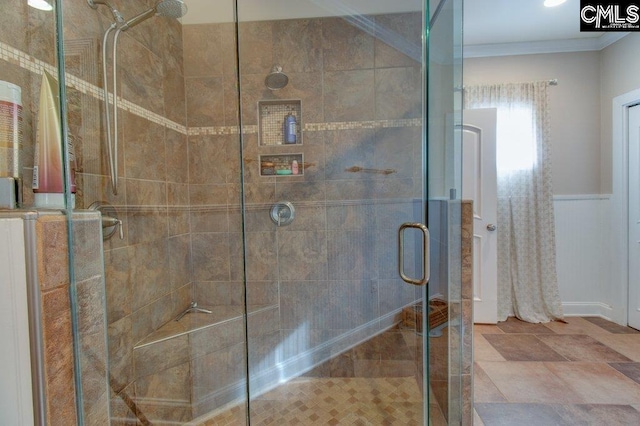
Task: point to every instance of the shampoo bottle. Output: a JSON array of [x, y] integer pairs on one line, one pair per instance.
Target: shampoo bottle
[[48, 171], [10, 145], [295, 169], [290, 131]]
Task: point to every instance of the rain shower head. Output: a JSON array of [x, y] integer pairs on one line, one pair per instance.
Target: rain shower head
[[171, 8], [167, 8], [276, 79]]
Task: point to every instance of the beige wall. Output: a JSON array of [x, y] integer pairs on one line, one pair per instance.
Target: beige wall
[[580, 105], [620, 64], [574, 104]]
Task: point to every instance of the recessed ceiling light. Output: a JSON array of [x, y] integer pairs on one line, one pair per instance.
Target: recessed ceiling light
[[553, 3], [40, 4]]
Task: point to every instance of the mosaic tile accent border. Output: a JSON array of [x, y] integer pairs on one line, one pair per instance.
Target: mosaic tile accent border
[[23, 60], [28, 62]]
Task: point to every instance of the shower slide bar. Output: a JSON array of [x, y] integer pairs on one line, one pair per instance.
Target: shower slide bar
[[168, 8]]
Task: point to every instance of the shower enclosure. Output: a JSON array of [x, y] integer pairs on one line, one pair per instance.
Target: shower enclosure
[[254, 248]]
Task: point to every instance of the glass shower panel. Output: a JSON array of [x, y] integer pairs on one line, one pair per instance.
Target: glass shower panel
[[172, 285], [333, 162], [450, 297], [267, 189]]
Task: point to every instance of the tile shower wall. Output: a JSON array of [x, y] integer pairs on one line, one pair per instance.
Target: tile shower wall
[[330, 275], [148, 273], [53, 277]]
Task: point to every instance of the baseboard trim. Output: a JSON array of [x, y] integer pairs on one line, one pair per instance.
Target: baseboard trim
[[588, 309]]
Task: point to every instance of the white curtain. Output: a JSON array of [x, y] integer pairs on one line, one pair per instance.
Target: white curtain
[[527, 281]]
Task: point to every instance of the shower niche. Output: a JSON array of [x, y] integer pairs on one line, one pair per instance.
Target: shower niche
[[272, 117], [282, 165]]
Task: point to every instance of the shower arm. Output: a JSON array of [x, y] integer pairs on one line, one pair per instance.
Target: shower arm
[[116, 15]]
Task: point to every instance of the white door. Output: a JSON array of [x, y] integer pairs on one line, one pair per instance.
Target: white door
[[634, 216], [479, 184]]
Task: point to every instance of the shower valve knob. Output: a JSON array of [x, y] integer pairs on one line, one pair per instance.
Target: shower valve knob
[[282, 213]]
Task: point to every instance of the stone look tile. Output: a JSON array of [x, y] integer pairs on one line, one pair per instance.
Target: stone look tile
[[346, 47], [484, 389], [140, 84], [148, 276], [530, 382], [90, 302], [93, 364], [629, 369], [87, 246], [53, 264], [518, 414], [177, 157], [407, 27], [581, 348], [255, 41], [305, 253], [398, 93], [350, 304], [522, 347], [118, 283], [203, 53], [483, 351], [216, 370], [486, 329], [575, 325], [58, 356], [211, 257], [144, 148], [610, 326], [597, 383], [159, 356], [172, 384], [299, 299], [175, 103], [205, 101], [121, 342], [626, 344], [298, 45], [595, 414], [349, 95]]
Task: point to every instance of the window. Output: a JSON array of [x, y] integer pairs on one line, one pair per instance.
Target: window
[[516, 139]]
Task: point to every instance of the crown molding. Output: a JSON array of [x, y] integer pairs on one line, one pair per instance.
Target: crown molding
[[548, 46]]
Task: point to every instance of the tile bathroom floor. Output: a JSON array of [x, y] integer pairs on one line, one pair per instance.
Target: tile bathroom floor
[[585, 372]]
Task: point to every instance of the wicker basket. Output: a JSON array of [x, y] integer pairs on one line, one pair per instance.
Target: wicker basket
[[438, 315]]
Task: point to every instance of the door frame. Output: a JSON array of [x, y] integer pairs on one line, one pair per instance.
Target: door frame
[[620, 202]]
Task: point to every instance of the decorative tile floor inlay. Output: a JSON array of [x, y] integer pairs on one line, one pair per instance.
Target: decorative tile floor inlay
[[340, 392], [342, 401], [334, 401]]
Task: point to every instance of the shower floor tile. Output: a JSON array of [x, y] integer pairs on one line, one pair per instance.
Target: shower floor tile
[[375, 383]]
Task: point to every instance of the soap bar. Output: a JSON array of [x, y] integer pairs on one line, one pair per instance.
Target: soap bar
[[284, 172]]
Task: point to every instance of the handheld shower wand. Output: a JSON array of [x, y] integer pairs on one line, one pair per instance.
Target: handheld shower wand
[[167, 8]]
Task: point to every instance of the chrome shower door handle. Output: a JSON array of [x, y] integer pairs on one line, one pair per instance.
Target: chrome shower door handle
[[425, 250]]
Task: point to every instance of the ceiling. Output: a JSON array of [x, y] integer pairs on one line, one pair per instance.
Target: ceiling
[[491, 27], [507, 27]]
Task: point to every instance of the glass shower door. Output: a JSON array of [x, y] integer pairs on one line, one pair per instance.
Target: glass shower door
[[332, 100]]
